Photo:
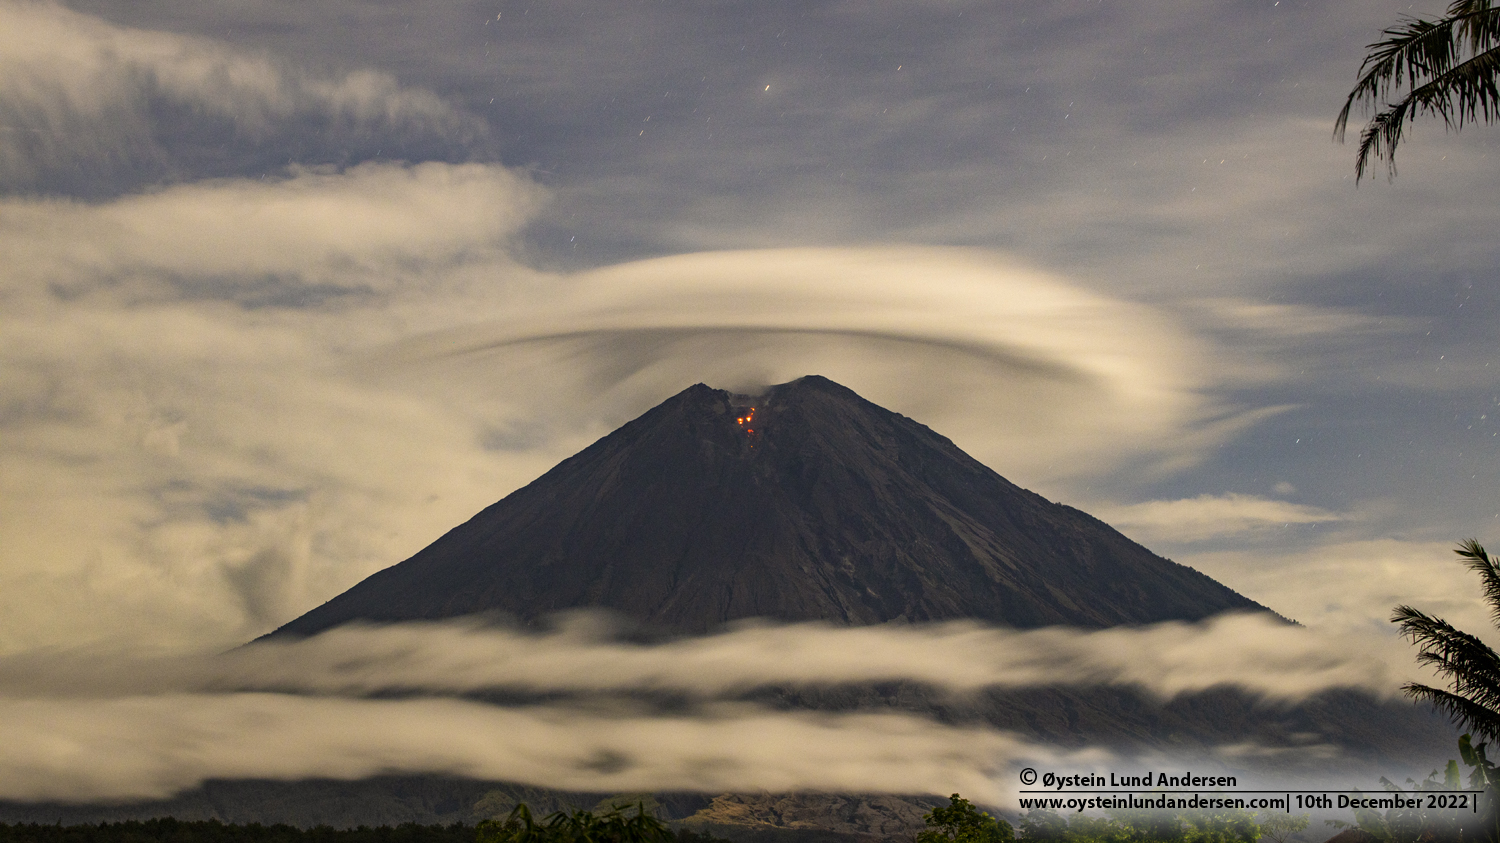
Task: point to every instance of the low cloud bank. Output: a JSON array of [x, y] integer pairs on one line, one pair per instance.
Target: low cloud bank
[[1254, 652], [88, 726], [152, 747]]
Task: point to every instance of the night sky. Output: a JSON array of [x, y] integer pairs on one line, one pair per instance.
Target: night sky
[[290, 288]]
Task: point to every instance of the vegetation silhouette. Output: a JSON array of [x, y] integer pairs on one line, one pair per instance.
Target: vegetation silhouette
[[1472, 669], [1279, 827], [1141, 826], [1445, 67], [1429, 820], [960, 822], [611, 826], [579, 826], [1470, 665], [169, 830]]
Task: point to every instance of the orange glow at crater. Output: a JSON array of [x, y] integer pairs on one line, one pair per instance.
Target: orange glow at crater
[[747, 418]]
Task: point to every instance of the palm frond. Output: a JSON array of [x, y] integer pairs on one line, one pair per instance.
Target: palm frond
[[1478, 25], [1480, 562], [1408, 53], [1471, 666], [1465, 92], [1379, 139], [1448, 67], [1482, 721]]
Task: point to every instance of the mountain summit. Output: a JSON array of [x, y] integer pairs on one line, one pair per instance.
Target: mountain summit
[[805, 503]]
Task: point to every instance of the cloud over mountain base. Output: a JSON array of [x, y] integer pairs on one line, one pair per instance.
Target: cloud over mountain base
[[773, 708]]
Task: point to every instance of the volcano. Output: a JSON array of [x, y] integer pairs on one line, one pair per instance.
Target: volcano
[[806, 503]]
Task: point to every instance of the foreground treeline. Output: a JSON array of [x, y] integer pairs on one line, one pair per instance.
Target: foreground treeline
[[583, 828], [961, 822], [616, 825], [957, 822], [169, 830]]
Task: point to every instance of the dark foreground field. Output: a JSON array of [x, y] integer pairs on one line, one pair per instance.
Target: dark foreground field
[[212, 831], [168, 830]]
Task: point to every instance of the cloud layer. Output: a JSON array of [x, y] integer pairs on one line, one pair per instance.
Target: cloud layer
[[152, 747], [1255, 652], [1021, 368], [361, 701], [1210, 516], [1348, 583], [299, 241], [92, 109], [182, 446]]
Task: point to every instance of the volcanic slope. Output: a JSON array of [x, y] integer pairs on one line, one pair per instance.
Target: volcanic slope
[[805, 503]]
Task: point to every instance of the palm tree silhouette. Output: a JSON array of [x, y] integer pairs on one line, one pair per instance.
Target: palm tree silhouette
[[1445, 67], [1472, 668], [1473, 671]]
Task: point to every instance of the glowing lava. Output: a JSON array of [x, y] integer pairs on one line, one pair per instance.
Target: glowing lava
[[745, 421]]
